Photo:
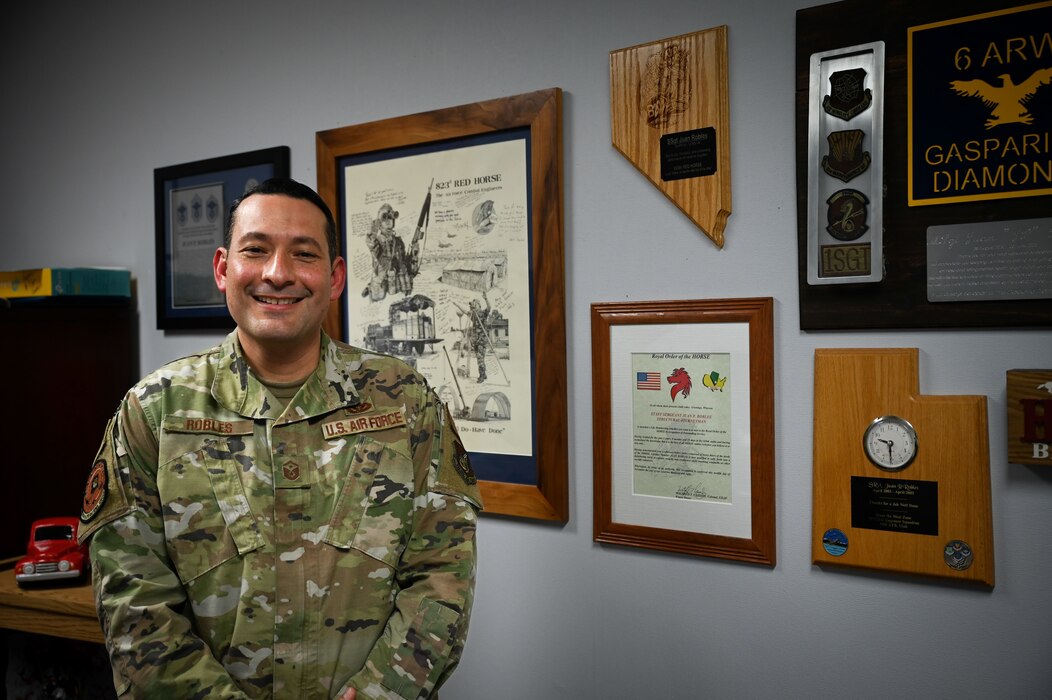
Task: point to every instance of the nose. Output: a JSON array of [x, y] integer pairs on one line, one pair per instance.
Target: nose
[[278, 270]]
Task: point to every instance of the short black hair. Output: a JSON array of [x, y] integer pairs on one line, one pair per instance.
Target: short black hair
[[289, 188]]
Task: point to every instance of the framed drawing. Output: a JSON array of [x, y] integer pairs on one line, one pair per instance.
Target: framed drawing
[[191, 207], [683, 420], [452, 232]]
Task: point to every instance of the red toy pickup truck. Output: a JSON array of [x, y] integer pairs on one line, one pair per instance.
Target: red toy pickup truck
[[53, 552]]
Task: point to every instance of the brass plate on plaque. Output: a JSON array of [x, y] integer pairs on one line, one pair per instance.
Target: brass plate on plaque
[[845, 260], [1030, 416], [930, 517], [669, 116]]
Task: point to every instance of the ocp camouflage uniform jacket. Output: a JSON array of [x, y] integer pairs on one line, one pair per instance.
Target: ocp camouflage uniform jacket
[[244, 551]]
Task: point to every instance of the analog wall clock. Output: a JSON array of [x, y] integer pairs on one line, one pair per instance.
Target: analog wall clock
[[890, 443]]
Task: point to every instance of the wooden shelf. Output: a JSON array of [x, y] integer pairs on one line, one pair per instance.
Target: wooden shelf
[[61, 611]]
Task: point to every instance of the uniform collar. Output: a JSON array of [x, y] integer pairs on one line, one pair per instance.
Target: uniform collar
[[329, 387]]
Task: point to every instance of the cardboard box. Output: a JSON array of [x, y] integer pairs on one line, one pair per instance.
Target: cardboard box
[[65, 281]]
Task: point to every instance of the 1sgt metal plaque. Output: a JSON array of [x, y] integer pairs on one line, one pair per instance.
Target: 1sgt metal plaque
[[844, 167], [980, 107]]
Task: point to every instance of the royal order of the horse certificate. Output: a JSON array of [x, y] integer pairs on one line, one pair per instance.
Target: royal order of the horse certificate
[[681, 426]]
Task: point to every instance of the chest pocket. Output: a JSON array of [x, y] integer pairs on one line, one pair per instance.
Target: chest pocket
[[374, 511], [207, 516]]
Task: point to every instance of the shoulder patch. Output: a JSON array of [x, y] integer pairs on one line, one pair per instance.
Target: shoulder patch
[[94, 492], [462, 463], [455, 474], [104, 497]]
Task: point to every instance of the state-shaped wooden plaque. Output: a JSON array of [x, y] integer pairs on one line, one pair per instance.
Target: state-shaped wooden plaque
[[901, 480], [670, 117]]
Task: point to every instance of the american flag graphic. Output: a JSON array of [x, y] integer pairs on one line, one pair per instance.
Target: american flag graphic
[[648, 380]]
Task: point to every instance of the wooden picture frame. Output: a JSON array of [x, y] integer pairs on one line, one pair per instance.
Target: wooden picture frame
[[666, 478], [191, 209], [530, 483]]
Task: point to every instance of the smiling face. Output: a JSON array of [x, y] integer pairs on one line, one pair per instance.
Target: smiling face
[[277, 276]]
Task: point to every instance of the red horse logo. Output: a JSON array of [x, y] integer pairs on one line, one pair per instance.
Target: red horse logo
[[680, 381]]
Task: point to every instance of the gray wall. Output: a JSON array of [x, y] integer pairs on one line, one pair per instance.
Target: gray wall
[[97, 95]]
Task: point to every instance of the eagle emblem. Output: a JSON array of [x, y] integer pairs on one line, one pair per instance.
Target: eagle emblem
[[1008, 100]]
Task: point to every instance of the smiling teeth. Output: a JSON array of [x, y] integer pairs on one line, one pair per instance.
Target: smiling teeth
[[279, 302]]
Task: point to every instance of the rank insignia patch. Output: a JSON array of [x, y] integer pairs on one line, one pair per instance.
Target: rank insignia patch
[[94, 492], [846, 97]]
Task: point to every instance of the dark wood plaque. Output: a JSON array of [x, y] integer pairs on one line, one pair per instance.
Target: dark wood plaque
[[1029, 416], [900, 300]]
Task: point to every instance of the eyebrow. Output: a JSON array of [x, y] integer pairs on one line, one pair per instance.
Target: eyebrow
[[266, 237]]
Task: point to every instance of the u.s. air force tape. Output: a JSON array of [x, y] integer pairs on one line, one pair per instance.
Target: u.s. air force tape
[[362, 424]]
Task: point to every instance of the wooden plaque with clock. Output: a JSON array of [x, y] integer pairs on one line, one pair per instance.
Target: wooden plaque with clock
[[901, 480]]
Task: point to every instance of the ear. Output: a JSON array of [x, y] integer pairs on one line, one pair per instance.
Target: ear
[[338, 278], [219, 268]]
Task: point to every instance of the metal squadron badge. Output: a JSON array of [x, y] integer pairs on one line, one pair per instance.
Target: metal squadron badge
[[846, 158], [847, 215], [846, 96]]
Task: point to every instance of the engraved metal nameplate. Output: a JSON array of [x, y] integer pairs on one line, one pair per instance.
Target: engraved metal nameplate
[[990, 260]]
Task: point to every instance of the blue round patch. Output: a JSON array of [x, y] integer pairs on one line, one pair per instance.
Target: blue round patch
[[834, 541]]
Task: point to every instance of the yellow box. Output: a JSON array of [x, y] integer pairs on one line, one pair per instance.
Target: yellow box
[[65, 281]]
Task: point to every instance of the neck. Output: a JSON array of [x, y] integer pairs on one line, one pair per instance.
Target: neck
[[281, 363]]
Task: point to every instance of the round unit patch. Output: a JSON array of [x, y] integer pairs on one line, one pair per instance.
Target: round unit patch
[[958, 555], [94, 492], [834, 541]]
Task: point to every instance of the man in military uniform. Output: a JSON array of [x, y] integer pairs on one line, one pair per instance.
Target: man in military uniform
[[283, 515], [480, 333], [392, 266]]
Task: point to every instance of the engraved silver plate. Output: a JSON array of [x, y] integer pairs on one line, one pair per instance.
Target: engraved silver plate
[[990, 261], [845, 151]]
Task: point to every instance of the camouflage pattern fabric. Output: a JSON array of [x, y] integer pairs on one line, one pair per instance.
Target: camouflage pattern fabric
[[244, 551]]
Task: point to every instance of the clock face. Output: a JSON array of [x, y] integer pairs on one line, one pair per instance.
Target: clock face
[[890, 443]]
